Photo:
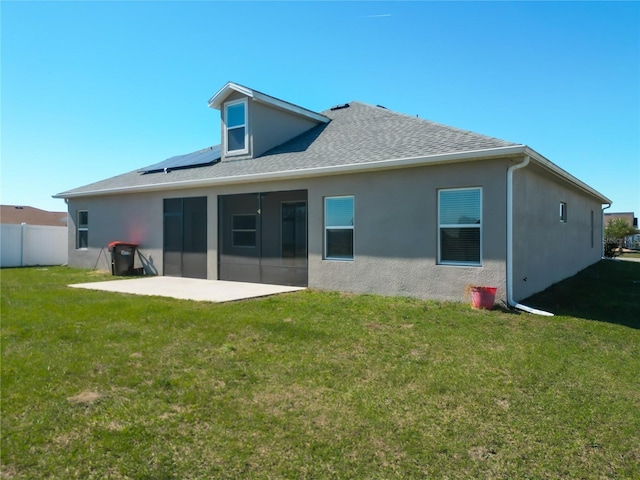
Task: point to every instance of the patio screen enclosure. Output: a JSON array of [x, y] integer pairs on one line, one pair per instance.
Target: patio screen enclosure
[[263, 237], [185, 237]]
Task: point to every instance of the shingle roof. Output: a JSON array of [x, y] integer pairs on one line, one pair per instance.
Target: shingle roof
[[359, 134], [364, 133]]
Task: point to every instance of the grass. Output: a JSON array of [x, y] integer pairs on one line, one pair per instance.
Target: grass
[[318, 385]]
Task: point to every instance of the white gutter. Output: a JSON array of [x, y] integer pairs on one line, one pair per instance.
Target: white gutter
[[469, 155], [510, 299]]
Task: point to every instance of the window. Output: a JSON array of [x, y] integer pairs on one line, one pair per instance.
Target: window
[[244, 230], [460, 226], [338, 228], [592, 230], [82, 229], [236, 127], [563, 212]]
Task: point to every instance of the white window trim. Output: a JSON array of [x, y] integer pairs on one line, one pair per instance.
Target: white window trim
[[340, 227], [245, 150], [84, 228], [459, 225]]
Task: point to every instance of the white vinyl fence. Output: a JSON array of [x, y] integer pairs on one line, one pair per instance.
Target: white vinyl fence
[[26, 245]]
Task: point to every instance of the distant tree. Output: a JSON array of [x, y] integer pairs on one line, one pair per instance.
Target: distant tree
[[614, 234]]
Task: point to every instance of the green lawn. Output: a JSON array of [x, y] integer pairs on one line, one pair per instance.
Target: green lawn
[[319, 385]]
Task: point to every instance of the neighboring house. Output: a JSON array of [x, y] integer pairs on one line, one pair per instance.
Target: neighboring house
[[17, 214], [626, 216], [357, 198], [632, 241]]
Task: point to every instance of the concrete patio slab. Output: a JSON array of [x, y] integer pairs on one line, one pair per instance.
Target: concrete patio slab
[[189, 288]]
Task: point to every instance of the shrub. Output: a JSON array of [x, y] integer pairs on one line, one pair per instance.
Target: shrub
[[611, 249]]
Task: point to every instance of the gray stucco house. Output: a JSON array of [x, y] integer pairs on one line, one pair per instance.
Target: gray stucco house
[[357, 198]]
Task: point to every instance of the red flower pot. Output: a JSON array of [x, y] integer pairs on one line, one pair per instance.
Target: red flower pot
[[483, 297]]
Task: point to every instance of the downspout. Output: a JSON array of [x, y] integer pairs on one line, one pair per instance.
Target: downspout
[[603, 226], [510, 299]]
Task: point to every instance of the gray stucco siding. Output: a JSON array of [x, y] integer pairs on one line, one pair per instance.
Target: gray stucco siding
[[136, 218], [271, 126], [547, 250], [396, 232]]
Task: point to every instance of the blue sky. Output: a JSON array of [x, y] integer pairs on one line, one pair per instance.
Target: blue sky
[[94, 89]]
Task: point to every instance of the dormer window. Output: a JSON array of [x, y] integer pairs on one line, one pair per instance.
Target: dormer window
[[236, 131]]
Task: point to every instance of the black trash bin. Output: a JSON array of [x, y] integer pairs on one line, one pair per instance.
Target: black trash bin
[[123, 255]]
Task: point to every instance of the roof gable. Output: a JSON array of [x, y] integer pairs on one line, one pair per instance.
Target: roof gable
[[221, 95]]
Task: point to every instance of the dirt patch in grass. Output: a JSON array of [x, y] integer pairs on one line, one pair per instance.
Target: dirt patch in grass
[[481, 453], [98, 273], [375, 326], [7, 471], [66, 439], [87, 397]]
